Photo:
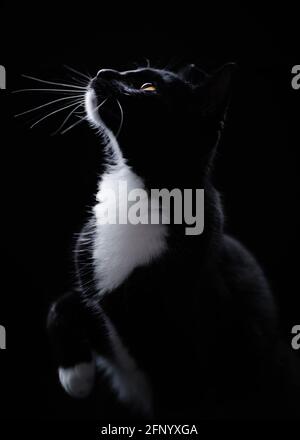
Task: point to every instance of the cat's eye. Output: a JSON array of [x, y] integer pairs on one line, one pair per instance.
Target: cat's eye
[[149, 87]]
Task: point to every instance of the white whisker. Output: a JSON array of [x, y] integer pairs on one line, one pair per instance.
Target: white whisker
[[53, 82], [80, 112], [45, 105], [122, 118], [54, 112], [79, 81], [66, 119], [48, 90], [76, 71], [101, 104], [73, 125]]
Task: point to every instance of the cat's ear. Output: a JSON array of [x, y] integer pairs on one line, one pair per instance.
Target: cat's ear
[[193, 75], [214, 94]]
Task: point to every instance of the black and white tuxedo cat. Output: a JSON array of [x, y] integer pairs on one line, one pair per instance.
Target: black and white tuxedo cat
[[176, 324]]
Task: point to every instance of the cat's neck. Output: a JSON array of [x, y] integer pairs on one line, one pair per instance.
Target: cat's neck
[[126, 187]]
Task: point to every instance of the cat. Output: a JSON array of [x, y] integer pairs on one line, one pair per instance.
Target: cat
[[175, 324]]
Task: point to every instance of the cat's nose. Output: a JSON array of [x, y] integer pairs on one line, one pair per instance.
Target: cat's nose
[[108, 74]]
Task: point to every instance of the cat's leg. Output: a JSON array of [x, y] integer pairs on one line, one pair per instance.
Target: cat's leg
[[72, 349], [85, 344], [126, 379]]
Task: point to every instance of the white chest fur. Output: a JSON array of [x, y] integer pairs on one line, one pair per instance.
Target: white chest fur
[[120, 248]]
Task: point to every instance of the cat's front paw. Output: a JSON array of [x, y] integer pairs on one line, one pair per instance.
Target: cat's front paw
[[78, 381]]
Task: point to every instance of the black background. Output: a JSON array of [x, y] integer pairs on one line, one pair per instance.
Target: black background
[[48, 182]]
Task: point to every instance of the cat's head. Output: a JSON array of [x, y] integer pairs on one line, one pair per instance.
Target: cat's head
[[167, 124]]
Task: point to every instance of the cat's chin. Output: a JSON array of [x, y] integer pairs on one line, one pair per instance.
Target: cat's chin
[[91, 108]]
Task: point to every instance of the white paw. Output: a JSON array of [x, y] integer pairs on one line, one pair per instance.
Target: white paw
[[78, 381]]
